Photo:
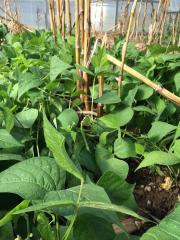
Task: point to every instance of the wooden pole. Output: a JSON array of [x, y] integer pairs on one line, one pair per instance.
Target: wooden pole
[[177, 27], [58, 13], [137, 20], [81, 9], [144, 19], [124, 49], [101, 86], [117, 11], [68, 18], [51, 15], [125, 21], [163, 21], [162, 91], [63, 18], [77, 39], [86, 51]]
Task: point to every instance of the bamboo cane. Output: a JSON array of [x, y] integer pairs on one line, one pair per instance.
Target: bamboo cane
[[68, 18], [86, 52], [15, 21], [58, 18], [63, 18], [133, 26], [160, 20], [124, 49], [77, 39], [144, 18], [177, 24], [162, 91], [51, 15], [164, 20], [137, 22], [153, 25], [125, 22], [81, 9], [101, 19], [101, 86], [5, 10]]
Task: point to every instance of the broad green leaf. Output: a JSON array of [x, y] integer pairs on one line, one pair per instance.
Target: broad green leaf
[[84, 69], [160, 130], [57, 66], [143, 109], [160, 158], [107, 162], [176, 148], [177, 133], [26, 118], [89, 227], [144, 92], [56, 143], [130, 97], [102, 154], [114, 165], [47, 205], [32, 178], [68, 117], [109, 98], [91, 193], [27, 81], [139, 148], [177, 81], [170, 57], [9, 119], [118, 119], [9, 156], [118, 190], [167, 229], [67, 200], [7, 140], [109, 207], [6, 232], [8, 216], [124, 148], [44, 227]]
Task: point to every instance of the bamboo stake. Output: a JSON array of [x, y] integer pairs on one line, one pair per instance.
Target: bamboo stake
[[163, 21], [77, 39], [125, 22], [133, 26], [81, 9], [5, 10], [101, 19], [176, 27], [86, 52], [58, 12], [101, 86], [137, 22], [63, 18], [144, 18], [15, 21], [160, 20], [124, 49], [154, 24], [162, 91], [51, 15], [68, 18]]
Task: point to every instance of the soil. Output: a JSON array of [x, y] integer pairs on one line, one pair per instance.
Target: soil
[[152, 198]]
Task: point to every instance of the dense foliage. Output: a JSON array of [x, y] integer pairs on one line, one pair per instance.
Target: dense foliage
[[63, 174]]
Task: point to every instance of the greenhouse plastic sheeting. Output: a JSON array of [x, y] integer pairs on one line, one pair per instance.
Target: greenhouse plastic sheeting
[[35, 12]]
